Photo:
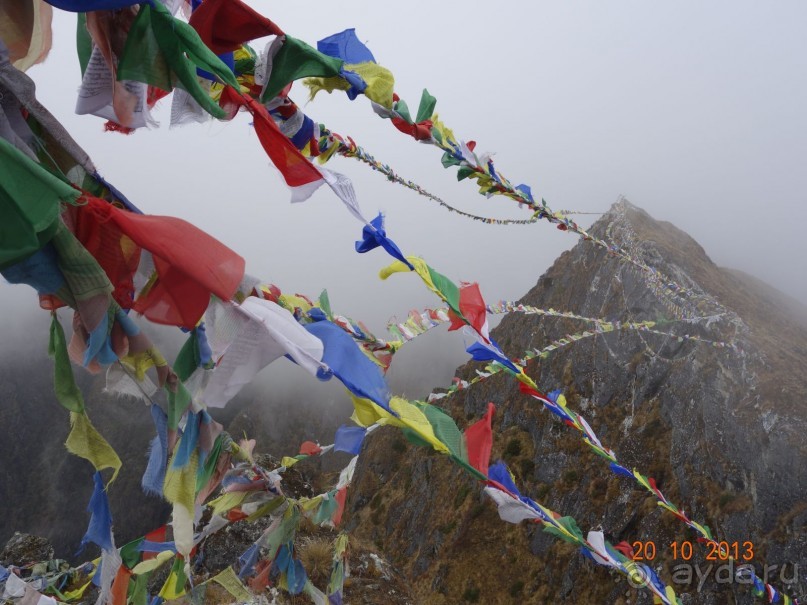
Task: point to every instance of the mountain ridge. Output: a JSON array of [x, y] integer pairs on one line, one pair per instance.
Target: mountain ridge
[[718, 428]]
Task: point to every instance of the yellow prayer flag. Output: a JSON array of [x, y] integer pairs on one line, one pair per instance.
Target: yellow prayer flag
[[227, 502], [411, 417], [72, 595], [288, 461], [180, 483], [421, 268], [172, 588], [309, 504], [86, 442], [366, 413], [380, 81], [152, 564], [230, 582]]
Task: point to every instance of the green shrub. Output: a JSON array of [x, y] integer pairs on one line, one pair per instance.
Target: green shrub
[[516, 588], [471, 595], [462, 493], [527, 466], [513, 448]]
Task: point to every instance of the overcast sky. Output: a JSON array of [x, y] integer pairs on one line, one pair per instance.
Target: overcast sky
[[694, 111]]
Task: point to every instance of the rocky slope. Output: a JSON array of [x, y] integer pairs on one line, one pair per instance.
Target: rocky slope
[[720, 429]]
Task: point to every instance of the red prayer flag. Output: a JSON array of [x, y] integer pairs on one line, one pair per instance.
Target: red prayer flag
[[479, 441], [224, 25], [190, 264], [300, 174], [236, 514], [120, 587], [422, 131], [532, 392], [117, 254], [157, 535], [309, 448], [625, 548], [473, 309], [340, 498]]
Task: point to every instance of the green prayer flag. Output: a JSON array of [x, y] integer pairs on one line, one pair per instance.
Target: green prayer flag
[[138, 589], [283, 534], [445, 429], [245, 63], [448, 160], [427, 105], [129, 553], [178, 402], [64, 383], [296, 60], [403, 110], [29, 204], [188, 358], [464, 172], [165, 52], [448, 289], [211, 461], [570, 525], [415, 439], [325, 303], [438, 136], [83, 42], [326, 509]]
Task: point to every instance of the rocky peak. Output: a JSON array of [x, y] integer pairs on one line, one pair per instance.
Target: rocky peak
[[720, 428]]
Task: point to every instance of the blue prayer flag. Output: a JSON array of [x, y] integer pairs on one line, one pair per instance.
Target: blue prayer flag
[[374, 235], [346, 46], [349, 439], [482, 352], [154, 475], [353, 368], [501, 475], [99, 530], [85, 6]]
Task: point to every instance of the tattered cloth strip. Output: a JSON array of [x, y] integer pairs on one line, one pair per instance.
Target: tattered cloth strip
[[30, 199], [184, 276]]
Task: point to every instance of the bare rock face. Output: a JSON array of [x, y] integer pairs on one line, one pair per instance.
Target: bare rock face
[[22, 549], [721, 429]]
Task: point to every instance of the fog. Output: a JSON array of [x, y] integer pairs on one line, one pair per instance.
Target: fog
[[693, 111]]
